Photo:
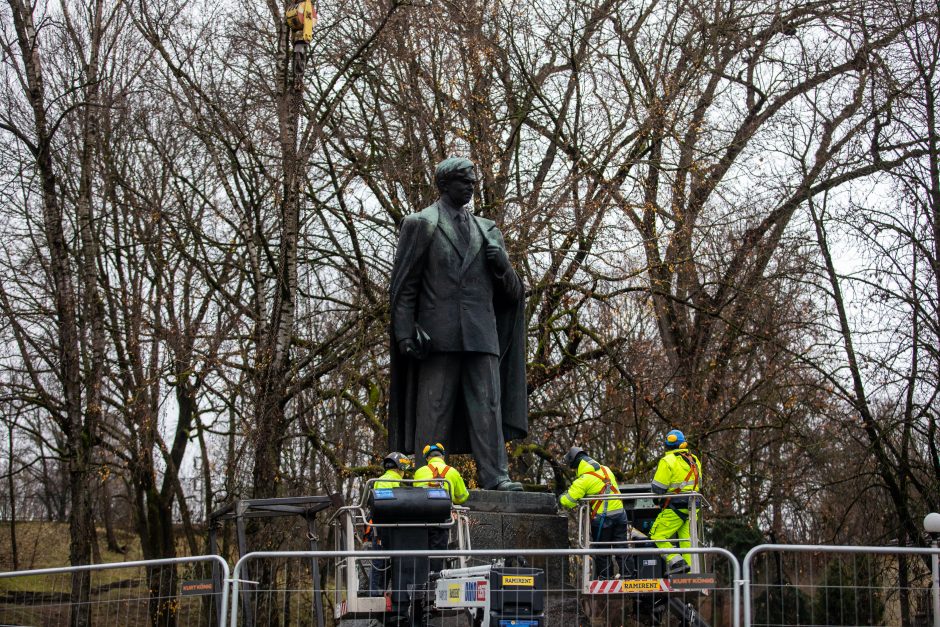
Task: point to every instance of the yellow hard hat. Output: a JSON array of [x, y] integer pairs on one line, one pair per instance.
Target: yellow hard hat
[[431, 448]]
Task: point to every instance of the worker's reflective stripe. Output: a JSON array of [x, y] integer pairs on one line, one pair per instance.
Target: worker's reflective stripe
[[675, 486], [680, 487], [675, 465]]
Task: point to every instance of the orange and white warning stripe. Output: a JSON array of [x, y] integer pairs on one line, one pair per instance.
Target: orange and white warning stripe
[[626, 586], [604, 586]]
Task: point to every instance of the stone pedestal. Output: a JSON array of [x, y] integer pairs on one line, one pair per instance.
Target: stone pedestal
[[516, 520], [511, 522]]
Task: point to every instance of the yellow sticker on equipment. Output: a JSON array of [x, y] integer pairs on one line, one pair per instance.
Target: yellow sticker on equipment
[[453, 592], [518, 580], [635, 585]]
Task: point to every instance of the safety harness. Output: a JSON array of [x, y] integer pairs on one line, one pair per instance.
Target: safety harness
[[693, 470], [609, 488], [438, 474]]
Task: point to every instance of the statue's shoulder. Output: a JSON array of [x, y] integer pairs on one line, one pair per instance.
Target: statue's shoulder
[[486, 224], [428, 214], [426, 218]]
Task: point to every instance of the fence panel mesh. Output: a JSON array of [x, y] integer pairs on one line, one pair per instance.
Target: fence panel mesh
[[160, 593], [837, 586], [365, 589]]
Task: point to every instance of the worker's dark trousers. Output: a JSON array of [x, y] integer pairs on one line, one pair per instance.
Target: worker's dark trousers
[[437, 539], [610, 527], [378, 575]]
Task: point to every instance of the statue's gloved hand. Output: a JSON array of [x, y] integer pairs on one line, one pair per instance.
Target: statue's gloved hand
[[409, 347], [497, 258]]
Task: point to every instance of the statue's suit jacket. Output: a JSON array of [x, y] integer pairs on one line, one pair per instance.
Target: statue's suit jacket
[[463, 306]]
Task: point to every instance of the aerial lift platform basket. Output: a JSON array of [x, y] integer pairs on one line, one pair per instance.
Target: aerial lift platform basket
[[645, 580], [490, 595], [352, 594]]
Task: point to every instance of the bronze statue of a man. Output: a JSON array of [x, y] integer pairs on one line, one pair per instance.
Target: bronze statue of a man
[[457, 333]]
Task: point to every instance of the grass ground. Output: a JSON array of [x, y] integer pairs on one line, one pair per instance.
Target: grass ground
[[46, 545], [117, 597]]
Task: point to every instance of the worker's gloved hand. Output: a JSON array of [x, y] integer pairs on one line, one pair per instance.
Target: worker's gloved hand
[[497, 258], [409, 347]]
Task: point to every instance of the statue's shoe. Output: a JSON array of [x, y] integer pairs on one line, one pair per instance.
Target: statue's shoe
[[509, 486]]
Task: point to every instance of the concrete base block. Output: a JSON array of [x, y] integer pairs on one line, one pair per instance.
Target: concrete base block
[[506, 521]]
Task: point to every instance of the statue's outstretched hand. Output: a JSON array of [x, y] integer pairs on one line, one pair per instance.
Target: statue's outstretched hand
[[497, 258], [409, 347]]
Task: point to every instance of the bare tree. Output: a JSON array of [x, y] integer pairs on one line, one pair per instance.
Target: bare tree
[[53, 105], [216, 237]]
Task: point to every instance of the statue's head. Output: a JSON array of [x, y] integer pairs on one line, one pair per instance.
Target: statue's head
[[451, 168], [455, 178]]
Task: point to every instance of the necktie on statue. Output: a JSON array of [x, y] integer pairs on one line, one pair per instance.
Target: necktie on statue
[[463, 226]]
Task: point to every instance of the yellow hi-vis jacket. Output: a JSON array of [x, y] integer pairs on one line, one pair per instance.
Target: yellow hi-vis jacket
[[592, 480], [437, 470], [391, 479], [678, 471]]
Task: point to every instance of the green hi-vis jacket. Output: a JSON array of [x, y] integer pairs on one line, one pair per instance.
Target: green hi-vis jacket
[[678, 471], [591, 481], [436, 470], [391, 479]]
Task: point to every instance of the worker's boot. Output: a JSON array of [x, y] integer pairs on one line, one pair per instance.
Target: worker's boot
[[677, 566]]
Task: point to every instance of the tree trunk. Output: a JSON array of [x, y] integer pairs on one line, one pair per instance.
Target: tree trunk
[[79, 434], [274, 341], [11, 489], [108, 518], [887, 466], [154, 522], [904, 593]]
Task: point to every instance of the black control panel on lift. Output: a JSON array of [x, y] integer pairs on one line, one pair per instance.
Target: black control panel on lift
[[517, 597]]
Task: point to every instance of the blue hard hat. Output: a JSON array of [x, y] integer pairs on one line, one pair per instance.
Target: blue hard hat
[[675, 439]]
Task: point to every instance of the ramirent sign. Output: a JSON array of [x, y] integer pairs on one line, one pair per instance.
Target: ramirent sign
[[626, 586], [518, 580], [644, 585]]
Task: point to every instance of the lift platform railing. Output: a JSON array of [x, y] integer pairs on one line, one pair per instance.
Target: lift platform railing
[[351, 523], [634, 535]]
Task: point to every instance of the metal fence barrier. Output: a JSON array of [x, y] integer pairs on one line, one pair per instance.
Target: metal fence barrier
[[177, 591], [275, 588], [837, 585], [778, 584]]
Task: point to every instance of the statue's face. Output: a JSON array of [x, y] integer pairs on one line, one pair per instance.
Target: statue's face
[[459, 189]]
